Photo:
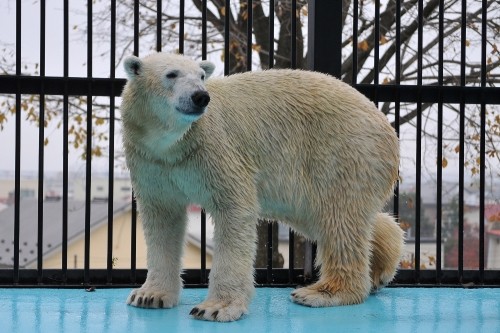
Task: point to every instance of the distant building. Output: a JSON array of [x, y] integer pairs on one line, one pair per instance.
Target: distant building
[[52, 235], [53, 186], [122, 188]]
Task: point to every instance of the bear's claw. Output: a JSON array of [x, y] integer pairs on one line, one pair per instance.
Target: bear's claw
[[214, 315], [221, 311], [147, 298]]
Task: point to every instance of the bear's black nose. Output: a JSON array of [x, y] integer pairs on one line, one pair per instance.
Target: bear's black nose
[[200, 98]]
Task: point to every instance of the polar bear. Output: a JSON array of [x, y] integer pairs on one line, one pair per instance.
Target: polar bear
[[296, 146]]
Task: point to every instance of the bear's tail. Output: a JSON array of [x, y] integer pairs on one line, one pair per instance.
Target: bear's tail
[[387, 250]]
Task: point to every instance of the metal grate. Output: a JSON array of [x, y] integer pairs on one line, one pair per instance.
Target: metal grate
[[325, 53]]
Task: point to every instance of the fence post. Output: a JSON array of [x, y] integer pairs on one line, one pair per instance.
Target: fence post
[[324, 49], [324, 54]]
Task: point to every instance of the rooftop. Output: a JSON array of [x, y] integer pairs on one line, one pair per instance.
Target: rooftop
[[52, 234]]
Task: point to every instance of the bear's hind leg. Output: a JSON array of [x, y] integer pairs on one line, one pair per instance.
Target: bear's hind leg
[[387, 249], [344, 260]]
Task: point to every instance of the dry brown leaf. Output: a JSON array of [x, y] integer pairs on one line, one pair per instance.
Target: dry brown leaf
[[363, 45]]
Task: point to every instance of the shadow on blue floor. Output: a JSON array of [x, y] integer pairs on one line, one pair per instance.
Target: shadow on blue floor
[[390, 310]]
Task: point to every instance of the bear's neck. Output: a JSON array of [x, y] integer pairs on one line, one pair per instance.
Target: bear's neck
[[160, 146]]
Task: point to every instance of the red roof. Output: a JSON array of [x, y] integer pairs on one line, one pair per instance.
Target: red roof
[[494, 233]]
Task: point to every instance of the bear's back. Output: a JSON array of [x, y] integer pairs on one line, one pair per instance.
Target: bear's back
[[287, 105], [291, 123]]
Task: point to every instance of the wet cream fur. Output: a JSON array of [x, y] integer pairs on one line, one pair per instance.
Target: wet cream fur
[[296, 146]]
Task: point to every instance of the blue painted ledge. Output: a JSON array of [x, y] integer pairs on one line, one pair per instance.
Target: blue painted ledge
[[390, 310]]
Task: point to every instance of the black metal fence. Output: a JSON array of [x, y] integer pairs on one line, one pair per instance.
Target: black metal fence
[[381, 48]]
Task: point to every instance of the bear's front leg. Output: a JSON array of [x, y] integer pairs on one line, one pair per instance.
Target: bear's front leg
[[231, 284], [164, 232]]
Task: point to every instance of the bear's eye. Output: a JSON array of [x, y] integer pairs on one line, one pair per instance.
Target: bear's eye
[[203, 77], [172, 75]]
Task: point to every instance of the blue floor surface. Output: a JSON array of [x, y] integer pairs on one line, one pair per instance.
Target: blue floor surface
[[390, 310]]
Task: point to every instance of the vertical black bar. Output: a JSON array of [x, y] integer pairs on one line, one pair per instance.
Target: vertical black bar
[[397, 105], [271, 38], [41, 145], [88, 152], [204, 30], [136, 28], [376, 49], [293, 36], [64, 262], [269, 266], [133, 222], [439, 187], [461, 172], [227, 28], [181, 26], [325, 37], [158, 25], [418, 192], [203, 247], [17, 175], [484, 41], [111, 157], [398, 43], [482, 143], [133, 242], [355, 16], [249, 33], [324, 54], [461, 156], [418, 157], [203, 264], [291, 256], [291, 237]]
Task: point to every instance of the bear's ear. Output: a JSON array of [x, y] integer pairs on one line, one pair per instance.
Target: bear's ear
[[208, 67], [133, 66]]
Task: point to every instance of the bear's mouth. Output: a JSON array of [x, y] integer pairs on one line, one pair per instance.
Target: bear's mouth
[[193, 111]]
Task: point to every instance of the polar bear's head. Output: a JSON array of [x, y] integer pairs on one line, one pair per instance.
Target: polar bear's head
[[164, 95], [172, 84]]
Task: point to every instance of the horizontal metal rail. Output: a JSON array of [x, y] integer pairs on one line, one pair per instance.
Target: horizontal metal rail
[[74, 278], [78, 86]]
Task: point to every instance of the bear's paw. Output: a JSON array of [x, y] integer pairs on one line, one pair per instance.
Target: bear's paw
[[219, 310], [318, 295], [381, 278], [152, 299]]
